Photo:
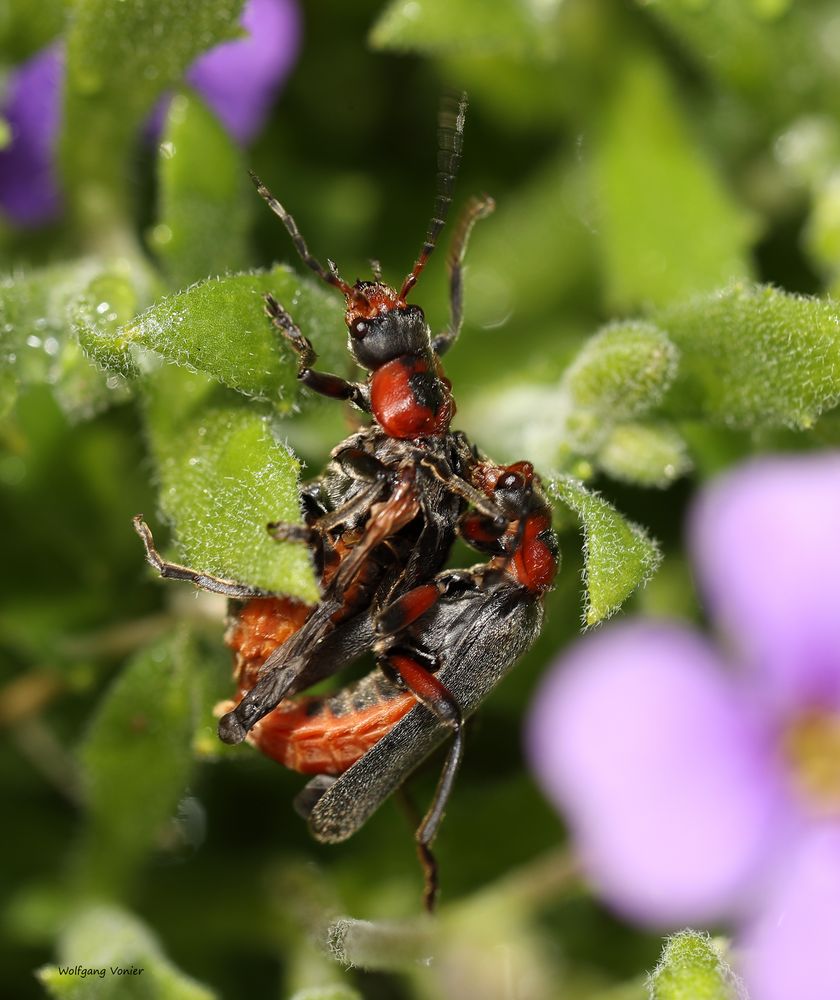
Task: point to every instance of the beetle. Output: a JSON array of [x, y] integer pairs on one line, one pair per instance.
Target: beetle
[[445, 644], [379, 522]]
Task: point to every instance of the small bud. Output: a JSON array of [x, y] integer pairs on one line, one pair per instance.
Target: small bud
[[692, 968], [644, 454]]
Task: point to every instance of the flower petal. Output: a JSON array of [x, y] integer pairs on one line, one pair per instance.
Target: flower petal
[[239, 79], [670, 786], [791, 949], [28, 186], [766, 541]]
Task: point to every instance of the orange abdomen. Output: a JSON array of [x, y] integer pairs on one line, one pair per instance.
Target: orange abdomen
[[308, 736]]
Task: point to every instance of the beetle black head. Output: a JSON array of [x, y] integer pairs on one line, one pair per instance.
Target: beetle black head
[[382, 326]]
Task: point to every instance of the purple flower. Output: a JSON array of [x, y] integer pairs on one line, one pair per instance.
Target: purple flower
[[703, 783], [28, 190], [238, 79]]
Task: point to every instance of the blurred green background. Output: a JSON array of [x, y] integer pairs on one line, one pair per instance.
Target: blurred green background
[[650, 162]]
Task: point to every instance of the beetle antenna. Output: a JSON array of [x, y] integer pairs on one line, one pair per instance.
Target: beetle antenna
[[451, 119], [329, 275]]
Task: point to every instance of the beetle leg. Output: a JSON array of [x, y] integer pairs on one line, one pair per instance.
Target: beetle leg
[[386, 518], [320, 382], [174, 571], [439, 700], [398, 615], [477, 208], [460, 487]]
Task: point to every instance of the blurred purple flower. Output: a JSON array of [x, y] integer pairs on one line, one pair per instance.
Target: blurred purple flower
[[703, 784], [238, 79], [28, 191]]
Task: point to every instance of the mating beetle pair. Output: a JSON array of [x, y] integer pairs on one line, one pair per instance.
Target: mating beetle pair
[[379, 523]]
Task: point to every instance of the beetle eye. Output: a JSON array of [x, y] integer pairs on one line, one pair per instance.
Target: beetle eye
[[359, 329]]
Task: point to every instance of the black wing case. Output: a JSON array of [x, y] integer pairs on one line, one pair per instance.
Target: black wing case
[[483, 634]]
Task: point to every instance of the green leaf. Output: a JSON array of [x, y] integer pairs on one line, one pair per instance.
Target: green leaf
[[754, 356], [623, 371], [442, 26], [23, 32], [644, 454], [619, 556], [770, 52], [136, 760], [542, 222], [219, 327], [107, 938], [36, 341], [109, 301], [121, 57], [223, 476], [668, 227], [692, 968], [205, 209]]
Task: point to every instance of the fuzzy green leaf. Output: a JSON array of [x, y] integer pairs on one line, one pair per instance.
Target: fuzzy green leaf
[[205, 198], [136, 759], [668, 227], [623, 371], [107, 938], [619, 555], [121, 57], [753, 356], [443, 26], [219, 327], [692, 968], [644, 454], [223, 476]]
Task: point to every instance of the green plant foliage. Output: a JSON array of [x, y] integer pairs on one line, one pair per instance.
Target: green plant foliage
[[544, 220], [99, 312], [21, 34], [622, 372], [34, 309], [438, 26], [651, 455], [223, 476], [219, 328], [109, 938], [205, 201], [110, 48], [668, 226], [143, 728], [754, 356], [692, 968], [619, 555]]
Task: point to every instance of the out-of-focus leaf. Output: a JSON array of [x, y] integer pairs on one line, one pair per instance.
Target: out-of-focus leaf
[[223, 476], [110, 939], [644, 454], [219, 327], [121, 57], [754, 356], [23, 32], [204, 206], [758, 50], [136, 759], [441, 26], [36, 344], [692, 968], [535, 250], [822, 235], [619, 555], [668, 227]]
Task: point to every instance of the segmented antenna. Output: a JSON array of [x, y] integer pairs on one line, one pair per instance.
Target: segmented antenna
[[451, 118], [329, 275]]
